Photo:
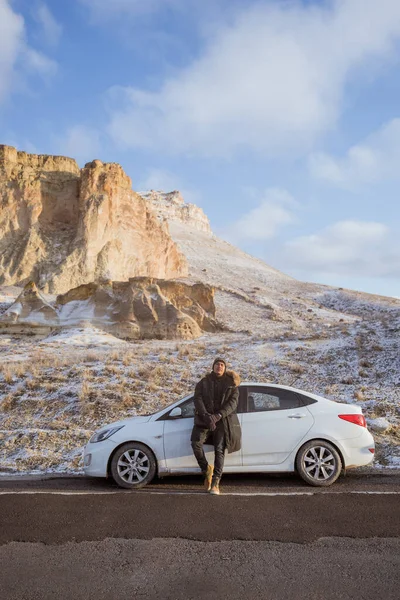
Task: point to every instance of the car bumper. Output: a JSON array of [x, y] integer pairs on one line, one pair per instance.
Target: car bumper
[[357, 451], [95, 458]]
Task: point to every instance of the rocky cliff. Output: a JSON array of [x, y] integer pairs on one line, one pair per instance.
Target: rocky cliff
[[61, 226], [172, 207], [140, 308]]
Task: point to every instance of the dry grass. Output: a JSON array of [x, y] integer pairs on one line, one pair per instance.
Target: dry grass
[[160, 373], [358, 395], [115, 355], [92, 356], [185, 351], [32, 384], [296, 368], [331, 389], [8, 374], [145, 372], [186, 375], [377, 348], [128, 359], [49, 387], [365, 363], [135, 385], [60, 377], [84, 392], [127, 401], [111, 369], [87, 374], [9, 402]]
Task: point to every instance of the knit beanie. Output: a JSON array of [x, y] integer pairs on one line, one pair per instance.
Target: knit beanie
[[219, 360]]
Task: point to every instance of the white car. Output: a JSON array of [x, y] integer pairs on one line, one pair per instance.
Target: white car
[[283, 430]]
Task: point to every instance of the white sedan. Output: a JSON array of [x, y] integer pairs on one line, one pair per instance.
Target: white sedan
[[283, 430]]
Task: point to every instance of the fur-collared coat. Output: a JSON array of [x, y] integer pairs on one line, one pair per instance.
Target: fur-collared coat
[[204, 404]]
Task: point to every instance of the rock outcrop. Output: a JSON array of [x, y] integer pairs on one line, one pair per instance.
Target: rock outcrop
[[30, 308], [61, 226], [172, 207], [141, 308]]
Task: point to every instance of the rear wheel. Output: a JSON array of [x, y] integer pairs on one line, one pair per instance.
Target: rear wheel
[[318, 463], [133, 466]]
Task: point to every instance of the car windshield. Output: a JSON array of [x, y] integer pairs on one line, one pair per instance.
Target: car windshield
[[150, 414]]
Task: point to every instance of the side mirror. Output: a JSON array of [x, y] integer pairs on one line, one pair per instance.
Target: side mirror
[[175, 413]]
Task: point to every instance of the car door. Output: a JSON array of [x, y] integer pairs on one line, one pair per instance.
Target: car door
[[177, 447], [177, 431], [275, 422]]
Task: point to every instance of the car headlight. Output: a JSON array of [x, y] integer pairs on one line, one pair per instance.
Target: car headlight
[[99, 436]]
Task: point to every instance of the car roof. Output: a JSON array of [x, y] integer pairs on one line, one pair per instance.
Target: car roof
[[282, 387]]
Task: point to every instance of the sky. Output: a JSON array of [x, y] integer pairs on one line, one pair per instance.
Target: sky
[[280, 118]]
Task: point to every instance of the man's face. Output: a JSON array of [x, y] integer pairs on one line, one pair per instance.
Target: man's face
[[219, 368]]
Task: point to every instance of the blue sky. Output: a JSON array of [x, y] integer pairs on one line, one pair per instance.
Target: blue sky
[[279, 118]]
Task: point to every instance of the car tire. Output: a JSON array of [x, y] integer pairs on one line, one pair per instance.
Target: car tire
[[318, 463], [133, 466]]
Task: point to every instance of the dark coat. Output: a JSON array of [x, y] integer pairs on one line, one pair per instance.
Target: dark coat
[[204, 404]]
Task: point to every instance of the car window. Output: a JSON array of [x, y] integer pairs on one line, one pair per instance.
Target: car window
[[307, 400], [266, 399], [242, 400], [187, 408]]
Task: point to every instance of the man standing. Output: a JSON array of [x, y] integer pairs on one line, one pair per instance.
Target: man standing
[[216, 399]]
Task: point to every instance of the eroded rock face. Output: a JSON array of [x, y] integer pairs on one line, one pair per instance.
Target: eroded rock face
[[172, 207], [142, 308], [61, 226], [30, 308]]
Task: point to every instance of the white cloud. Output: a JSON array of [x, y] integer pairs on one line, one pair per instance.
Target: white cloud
[[32, 60], [51, 30], [376, 158], [16, 56], [350, 248], [11, 40], [80, 142], [276, 209], [273, 80]]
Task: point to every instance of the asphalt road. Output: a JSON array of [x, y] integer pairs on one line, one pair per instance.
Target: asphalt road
[[266, 537]]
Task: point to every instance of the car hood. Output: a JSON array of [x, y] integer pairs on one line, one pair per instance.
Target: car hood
[[130, 421]]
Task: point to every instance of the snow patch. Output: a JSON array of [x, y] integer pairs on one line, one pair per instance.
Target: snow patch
[[88, 336]]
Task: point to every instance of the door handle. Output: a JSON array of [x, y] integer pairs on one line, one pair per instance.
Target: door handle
[[297, 416]]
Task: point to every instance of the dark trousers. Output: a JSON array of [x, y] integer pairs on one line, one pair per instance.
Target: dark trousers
[[199, 436]]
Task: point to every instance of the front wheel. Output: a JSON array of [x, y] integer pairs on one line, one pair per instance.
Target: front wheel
[[318, 463], [133, 466]]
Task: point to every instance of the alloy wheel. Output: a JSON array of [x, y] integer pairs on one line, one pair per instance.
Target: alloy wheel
[[133, 466], [319, 463]]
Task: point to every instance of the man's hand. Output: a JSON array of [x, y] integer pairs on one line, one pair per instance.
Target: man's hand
[[212, 420]]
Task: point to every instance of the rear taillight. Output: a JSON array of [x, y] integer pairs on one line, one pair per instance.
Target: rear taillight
[[356, 419]]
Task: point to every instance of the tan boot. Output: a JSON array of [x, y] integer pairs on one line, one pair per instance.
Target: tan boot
[[215, 487], [208, 477]]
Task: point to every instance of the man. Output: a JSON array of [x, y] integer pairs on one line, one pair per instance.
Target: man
[[215, 400]]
